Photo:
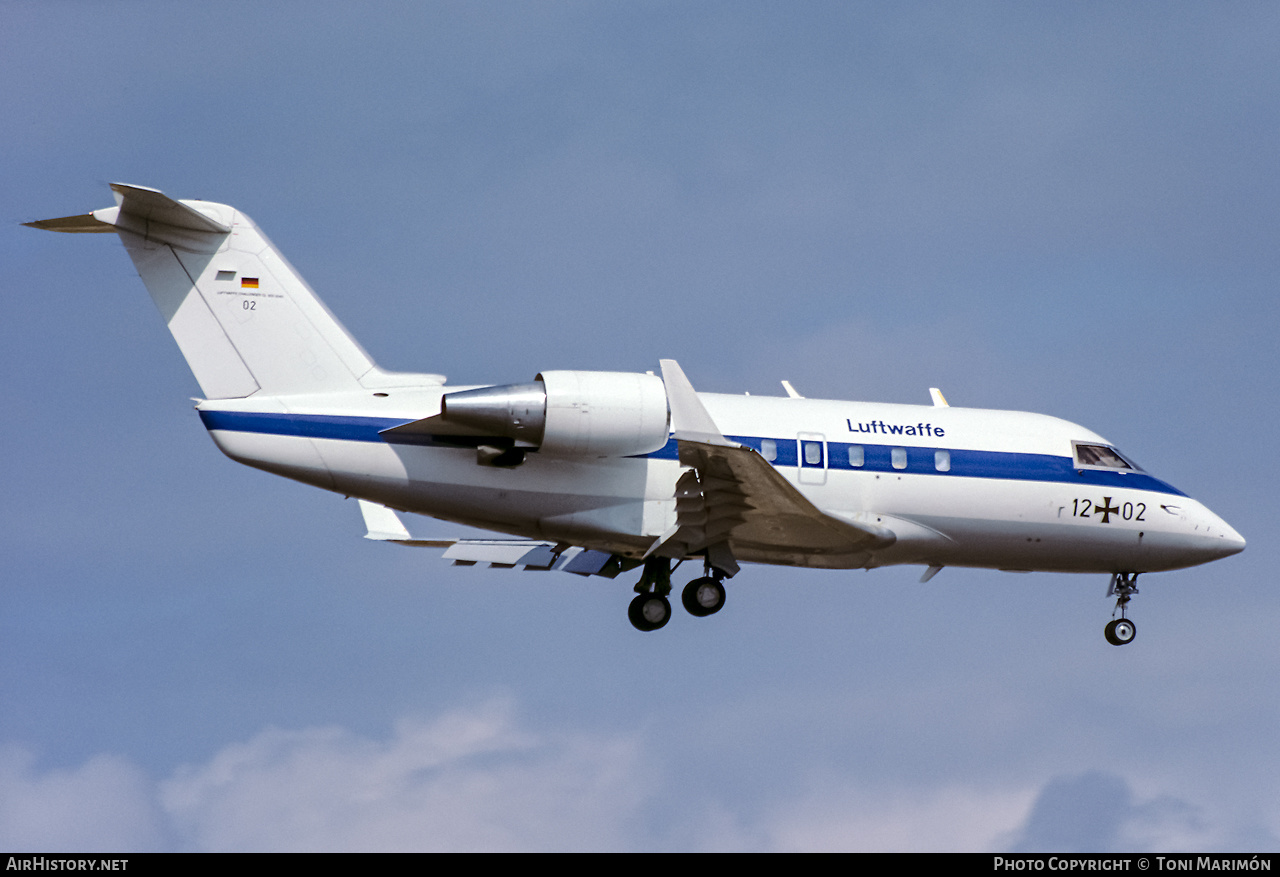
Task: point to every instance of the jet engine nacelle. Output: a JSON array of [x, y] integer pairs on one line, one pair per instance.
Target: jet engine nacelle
[[579, 413]]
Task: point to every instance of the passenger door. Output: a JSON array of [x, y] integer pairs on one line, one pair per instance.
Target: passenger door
[[813, 458]]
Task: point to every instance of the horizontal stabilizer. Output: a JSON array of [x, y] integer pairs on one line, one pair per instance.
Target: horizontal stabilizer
[[150, 214], [155, 206], [82, 224]]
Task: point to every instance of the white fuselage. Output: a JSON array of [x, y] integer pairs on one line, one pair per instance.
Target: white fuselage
[[957, 486], [578, 458]]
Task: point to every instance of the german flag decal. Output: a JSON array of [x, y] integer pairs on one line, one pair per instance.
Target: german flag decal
[[248, 283]]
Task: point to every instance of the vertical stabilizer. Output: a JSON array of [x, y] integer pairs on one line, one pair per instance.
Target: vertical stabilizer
[[242, 316]]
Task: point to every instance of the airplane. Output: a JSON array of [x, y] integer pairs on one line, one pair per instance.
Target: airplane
[[601, 473]]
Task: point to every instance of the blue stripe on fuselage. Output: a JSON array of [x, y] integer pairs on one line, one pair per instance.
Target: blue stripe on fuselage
[[964, 464], [351, 429], [876, 458]]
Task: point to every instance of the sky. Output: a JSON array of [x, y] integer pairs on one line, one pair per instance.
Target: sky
[[1069, 208]]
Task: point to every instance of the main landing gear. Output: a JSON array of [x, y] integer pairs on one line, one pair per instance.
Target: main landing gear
[[651, 609], [1121, 631], [704, 596]]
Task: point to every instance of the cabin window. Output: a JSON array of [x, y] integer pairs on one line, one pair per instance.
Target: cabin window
[[812, 453], [226, 275], [769, 449], [1100, 455], [857, 456], [942, 461], [898, 456]]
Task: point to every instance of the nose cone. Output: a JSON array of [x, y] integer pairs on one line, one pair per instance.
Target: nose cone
[[1231, 541], [1217, 539], [1183, 533]]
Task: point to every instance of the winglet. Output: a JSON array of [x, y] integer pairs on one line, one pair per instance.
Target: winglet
[[939, 401], [689, 419], [384, 525]]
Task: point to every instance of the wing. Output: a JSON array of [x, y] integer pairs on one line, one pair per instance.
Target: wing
[[384, 525], [733, 495], [732, 504]]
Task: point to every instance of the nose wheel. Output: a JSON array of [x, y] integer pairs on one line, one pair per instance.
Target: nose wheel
[[1121, 631]]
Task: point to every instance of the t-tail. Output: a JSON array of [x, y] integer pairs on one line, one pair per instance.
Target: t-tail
[[245, 320]]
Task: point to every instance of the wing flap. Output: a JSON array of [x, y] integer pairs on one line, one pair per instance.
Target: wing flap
[[507, 552], [531, 555], [384, 525]]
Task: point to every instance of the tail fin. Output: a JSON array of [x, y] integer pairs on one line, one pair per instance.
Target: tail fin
[[242, 316]]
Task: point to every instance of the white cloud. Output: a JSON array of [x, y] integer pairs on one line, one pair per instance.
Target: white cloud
[[952, 819], [106, 805], [478, 779], [1098, 811], [469, 781]]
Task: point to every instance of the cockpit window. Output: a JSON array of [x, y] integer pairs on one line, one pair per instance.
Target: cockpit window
[[1102, 456]]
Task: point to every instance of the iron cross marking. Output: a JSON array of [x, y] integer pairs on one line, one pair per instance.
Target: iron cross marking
[[1107, 509]]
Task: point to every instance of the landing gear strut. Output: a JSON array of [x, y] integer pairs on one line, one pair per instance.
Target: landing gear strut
[[651, 609], [1121, 631]]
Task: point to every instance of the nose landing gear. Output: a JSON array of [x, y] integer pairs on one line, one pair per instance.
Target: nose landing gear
[[1121, 631]]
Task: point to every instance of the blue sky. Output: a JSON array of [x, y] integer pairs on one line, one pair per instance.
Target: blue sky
[[1066, 208]]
